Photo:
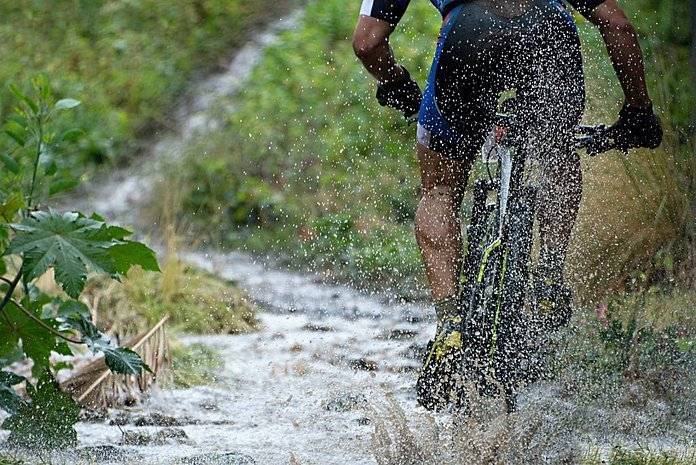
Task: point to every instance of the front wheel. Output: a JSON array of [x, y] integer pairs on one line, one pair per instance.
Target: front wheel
[[498, 355]]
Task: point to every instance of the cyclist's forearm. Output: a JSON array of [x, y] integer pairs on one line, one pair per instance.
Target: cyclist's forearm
[[624, 50], [371, 45], [381, 64]]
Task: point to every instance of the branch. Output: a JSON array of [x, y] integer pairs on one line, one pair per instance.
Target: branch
[[10, 291], [2, 278], [44, 325]]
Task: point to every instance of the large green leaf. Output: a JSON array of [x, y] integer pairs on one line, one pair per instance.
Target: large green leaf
[[131, 253], [10, 401], [37, 342], [47, 421], [119, 360], [124, 360], [73, 245]]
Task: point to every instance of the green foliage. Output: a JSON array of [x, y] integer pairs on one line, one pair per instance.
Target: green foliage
[[283, 174], [47, 421], [73, 245], [132, 60], [195, 365], [624, 456], [33, 325]]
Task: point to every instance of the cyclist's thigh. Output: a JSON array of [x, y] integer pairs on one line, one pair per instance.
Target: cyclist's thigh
[[438, 171], [553, 89], [460, 98]]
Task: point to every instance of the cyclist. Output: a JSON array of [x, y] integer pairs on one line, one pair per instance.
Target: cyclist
[[485, 47]]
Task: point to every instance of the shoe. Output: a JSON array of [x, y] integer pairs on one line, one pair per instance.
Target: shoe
[[439, 382], [552, 303]]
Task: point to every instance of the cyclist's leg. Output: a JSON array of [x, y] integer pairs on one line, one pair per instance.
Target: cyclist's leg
[[438, 225], [451, 127], [554, 96], [450, 130]]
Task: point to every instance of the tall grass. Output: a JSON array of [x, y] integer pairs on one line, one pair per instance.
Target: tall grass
[[638, 210], [131, 60]]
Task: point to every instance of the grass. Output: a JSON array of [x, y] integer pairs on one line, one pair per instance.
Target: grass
[[130, 61], [6, 460], [637, 211], [194, 365], [196, 301], [624, 456]]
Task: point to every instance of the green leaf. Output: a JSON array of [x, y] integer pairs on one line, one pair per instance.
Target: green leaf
[[118, 359], [73, 308], [37, 341], [71, 135], [16, 132], [73, 245], [63, 185], [66, 104], [47, 421], [68, 242], [20, 95], [9, 163], [124, 360], [11, 205], [10, 379], [9, 399], [133, 253], [51, 168]]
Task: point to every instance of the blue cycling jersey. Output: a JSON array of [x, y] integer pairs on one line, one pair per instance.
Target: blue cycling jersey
[[392, 10]]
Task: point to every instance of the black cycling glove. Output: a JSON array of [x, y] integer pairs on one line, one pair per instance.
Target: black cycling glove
[[635, 128], [403, 95]]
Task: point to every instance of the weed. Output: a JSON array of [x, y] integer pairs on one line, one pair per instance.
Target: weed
[[194, 365]]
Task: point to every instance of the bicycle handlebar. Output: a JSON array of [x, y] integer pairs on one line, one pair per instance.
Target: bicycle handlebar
[[594, 139]]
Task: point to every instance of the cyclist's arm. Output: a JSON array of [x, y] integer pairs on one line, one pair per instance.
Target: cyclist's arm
[[371, 38], [624, 50]]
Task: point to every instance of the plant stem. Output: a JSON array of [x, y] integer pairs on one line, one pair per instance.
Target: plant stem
[[44, 325], [36, 163], [10, 291]]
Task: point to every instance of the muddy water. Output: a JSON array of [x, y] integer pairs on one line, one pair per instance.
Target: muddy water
[[300, 390]]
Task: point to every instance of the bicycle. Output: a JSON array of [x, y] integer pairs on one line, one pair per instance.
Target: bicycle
[[499, 355]]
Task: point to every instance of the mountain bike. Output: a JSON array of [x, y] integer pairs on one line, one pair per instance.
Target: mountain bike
[[502, 347]]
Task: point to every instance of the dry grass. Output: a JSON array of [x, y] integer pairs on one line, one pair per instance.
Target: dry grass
[[642, 456], [197, 302], [487, 436], [637, 210]]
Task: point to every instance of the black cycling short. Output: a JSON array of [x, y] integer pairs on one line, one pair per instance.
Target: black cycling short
[[482, 53]]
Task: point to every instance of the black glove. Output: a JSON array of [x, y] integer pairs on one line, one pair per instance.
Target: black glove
[[636, 127], [403, 95]]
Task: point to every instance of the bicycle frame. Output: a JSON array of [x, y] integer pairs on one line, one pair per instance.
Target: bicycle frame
[[496, 267]]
